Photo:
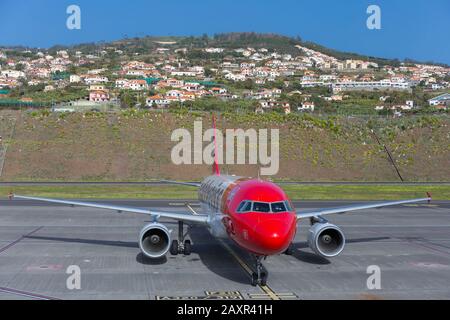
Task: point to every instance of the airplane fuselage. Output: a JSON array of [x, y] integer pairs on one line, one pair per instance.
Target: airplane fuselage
[[256, 214]]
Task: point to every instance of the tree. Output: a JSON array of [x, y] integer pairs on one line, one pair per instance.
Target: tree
[[127, 99], [20, 67], [208, 73], [142, 100]]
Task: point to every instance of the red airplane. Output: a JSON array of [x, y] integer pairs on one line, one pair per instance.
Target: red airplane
[[257, 215]]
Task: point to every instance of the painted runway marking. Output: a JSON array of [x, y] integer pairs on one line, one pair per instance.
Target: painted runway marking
[[18, 240], [422, 205], [209, 295], [268, 292], [281, 296], [26, 294]]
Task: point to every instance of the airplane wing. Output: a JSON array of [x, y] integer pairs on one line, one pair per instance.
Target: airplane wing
[[190, 184], [201, 219], [356, 207]]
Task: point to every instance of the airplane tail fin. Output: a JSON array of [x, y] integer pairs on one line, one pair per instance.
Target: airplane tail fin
[[216, 169]]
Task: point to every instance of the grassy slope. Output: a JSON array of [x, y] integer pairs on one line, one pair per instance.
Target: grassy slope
[[137, 147], [297, 192]]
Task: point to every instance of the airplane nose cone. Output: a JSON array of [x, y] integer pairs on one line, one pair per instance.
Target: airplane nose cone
[[274, 236]]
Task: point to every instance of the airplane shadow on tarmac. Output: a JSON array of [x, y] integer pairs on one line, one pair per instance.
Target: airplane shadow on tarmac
[[211, 253], [124, 244], [208, 249], [312, 258]]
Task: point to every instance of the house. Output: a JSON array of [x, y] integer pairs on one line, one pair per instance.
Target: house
[[443, 99], [120, 83], [157, 100], [137, 85], [99, 96], [273, 104], [235, 77], [49, 88], [174, 83], [187, 96], [214, 50], [183, 73], [410, 104], [191, 86], [306, 106], [95, 79], [74, 78], [96, 87], [12, 74], [136, 73], [286, 107], [218, 90], [174, 94]]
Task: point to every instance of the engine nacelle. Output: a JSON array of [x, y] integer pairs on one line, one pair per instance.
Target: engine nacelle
[[326, 240], [155, 240]]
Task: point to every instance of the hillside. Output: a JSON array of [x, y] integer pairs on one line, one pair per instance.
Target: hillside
[[136, 146], [271, 41]]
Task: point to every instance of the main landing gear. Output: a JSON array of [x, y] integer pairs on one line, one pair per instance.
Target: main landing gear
[[181, 246], [260, 274]]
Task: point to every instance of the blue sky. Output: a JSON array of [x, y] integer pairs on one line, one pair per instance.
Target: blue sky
[[418, 29]]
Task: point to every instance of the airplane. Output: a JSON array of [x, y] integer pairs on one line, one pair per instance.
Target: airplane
[[257, 215]]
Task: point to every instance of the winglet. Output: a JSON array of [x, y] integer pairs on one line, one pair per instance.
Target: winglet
[[216, 169]]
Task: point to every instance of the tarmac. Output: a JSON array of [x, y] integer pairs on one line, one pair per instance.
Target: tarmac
[[39, 242]]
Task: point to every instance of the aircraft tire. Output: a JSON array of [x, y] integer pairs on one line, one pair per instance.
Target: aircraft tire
[[174, 248], [187, 248]]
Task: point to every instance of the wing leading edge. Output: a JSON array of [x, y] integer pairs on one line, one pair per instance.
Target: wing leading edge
[[202, 219], [356, 207]]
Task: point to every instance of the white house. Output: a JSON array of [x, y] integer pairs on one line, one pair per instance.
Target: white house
[[443, 99], [306, 106], [135, 85], [96, 79], [235, 77], [410, 104], [12, 74], [174, 94], [74, 78], [158, 100]]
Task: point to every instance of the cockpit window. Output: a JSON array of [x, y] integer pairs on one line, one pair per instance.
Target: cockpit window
[[278, 207], [288, 206], [264, 207], [245, 206], [261, 207], [240, 206]]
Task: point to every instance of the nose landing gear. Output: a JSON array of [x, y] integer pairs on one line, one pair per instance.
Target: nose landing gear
[[260, 274]]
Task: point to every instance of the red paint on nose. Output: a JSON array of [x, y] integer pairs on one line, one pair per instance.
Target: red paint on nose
[[274, 236]]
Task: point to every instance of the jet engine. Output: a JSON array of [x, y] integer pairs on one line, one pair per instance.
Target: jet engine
[[326, 240], [154, 240]]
